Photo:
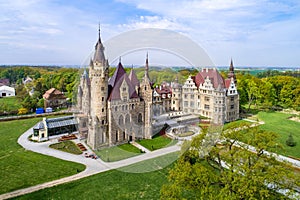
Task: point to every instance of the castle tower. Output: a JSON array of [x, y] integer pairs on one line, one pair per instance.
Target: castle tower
[[83, 98], [98, 74], [146, 93], [231, 72]]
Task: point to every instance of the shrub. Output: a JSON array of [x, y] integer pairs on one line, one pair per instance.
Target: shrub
[[290, 141], [22, 111]]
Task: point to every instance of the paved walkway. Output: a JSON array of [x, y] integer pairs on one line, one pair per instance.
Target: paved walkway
[[92, 166], [137, 145]]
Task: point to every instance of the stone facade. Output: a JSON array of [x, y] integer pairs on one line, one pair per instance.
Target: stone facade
[[117, 109], [209, 95], [113, 110], [54, 98]]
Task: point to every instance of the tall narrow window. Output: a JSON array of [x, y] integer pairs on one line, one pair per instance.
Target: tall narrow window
[[140, 118]]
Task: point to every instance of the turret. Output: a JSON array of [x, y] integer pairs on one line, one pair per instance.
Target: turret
[[146, 93], [98, 74], [231, 72]]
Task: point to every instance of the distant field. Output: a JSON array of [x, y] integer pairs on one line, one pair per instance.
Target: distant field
[[9, 104], [115, 184], [20, 168], [279, 123]]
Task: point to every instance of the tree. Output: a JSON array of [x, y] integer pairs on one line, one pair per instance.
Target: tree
[[230, 169], [266, 93], [290, 141], [252, 91]]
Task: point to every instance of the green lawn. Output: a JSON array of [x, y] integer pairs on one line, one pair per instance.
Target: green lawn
[[236, 123], [67, 146], [157, 142], [9, 104], [114, 184], [189, 133], [117, 153], [279, 123], [21, 168]]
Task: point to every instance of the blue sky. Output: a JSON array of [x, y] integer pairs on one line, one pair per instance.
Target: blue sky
[[252, 32]]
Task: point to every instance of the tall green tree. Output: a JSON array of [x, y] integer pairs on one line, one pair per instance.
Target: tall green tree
[[227, 171]]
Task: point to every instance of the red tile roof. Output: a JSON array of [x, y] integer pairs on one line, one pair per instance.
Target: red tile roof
[[227, 83], [53, 93], [214, 76], [4, 81]]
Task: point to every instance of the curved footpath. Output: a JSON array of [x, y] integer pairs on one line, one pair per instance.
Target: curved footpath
[[92, 166]]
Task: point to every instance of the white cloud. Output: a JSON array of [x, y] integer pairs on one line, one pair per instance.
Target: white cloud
[[228, 28], [154, 22]]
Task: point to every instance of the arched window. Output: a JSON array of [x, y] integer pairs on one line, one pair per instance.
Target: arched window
[[127, 119], [121, 120], [140, 118], [116, 108]]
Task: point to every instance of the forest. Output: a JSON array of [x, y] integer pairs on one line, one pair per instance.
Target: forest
[[268, 90]]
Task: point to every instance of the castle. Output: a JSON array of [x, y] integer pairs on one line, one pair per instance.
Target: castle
[[117, 109]]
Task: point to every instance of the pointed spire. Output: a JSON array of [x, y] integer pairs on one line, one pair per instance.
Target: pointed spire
[[147, 64], [99, 51], [99, 38], [120, 59], [231, 68], [231, 71], [146, 75]]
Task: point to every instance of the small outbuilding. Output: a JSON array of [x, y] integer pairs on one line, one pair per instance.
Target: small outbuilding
[[48, 128], [54, 98], [6, 91]]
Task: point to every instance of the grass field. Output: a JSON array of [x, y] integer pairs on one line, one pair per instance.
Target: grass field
[[236, 123], [115, 184], [279, 123], [67, 146], [21, 168], [157, 142], [117, 153], [9, 104]]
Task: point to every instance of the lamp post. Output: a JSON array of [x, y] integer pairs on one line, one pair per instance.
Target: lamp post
[[107, 156]]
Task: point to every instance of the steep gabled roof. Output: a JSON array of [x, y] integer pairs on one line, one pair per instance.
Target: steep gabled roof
[[4, 81], [116, 81], [53, 93], [214, 76], [115, 93], [227, 83], [133, 78], [119, 73]]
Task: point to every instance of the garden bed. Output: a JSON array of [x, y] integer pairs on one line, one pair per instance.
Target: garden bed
[[67, 146]]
